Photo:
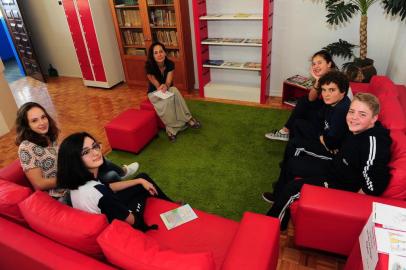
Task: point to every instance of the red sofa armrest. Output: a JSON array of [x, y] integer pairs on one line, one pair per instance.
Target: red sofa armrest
[[331, 220], [14, 173], [255, 245], [21, 248]]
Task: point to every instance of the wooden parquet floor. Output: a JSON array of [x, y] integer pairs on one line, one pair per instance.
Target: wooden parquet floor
[[77, 108]]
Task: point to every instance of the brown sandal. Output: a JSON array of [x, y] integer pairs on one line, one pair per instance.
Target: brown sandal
[[171, 137], [193, 123]]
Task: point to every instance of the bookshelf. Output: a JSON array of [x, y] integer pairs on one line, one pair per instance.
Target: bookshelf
[[138, 23], [233, 48]]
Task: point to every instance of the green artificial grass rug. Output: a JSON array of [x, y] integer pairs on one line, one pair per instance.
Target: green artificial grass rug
[[222, 168]]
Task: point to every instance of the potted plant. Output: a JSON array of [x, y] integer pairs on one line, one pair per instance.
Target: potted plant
[[361, 68]]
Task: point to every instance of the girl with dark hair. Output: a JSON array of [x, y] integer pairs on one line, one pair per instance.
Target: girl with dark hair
[[37, 138], [79, 161], [307, 107], [172, 110]]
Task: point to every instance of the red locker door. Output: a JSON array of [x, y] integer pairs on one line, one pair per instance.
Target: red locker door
[[91, 39], [78, 42]]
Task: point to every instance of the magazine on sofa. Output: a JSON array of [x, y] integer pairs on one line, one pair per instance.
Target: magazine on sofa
[[178, 216]]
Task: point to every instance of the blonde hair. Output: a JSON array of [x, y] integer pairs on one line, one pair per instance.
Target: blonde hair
[[370, 100]]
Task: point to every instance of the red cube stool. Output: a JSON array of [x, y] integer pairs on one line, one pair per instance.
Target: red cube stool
[[147, 106], [131, 130]]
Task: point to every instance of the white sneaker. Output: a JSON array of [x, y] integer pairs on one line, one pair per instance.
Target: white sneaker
[[277, 135], [131, 169]]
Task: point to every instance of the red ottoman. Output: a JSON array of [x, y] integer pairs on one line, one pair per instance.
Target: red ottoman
[[131, 130], [147, 106]]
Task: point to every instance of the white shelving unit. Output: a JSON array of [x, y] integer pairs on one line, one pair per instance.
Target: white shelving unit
[[237, 32]]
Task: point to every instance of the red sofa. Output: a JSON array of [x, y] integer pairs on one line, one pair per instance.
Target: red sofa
[[37, 232], [331, 220]]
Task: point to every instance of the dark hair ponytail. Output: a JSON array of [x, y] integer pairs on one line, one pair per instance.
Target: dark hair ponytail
[[326, 56]]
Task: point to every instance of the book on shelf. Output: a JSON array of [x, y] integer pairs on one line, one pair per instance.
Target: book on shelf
[[166, 37], [242, 15], [214, 62], [128, 17], [173, 53], [135, 51], [213, 40], [123, 3], [253, 41], [291, 102], [232, 64], [133, 37], [301, 81], [216, 15], [162, 17], [160, 2], [232, 40], [178, 216], [252, 65]]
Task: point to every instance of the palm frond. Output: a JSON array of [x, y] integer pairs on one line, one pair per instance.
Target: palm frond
[[341, 48], [338, 11], [347, 65], [395, 7]]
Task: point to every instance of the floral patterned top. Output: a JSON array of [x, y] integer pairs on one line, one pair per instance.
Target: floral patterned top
[[34, 156]]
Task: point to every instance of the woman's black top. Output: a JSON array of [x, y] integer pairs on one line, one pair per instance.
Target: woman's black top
[[153, 69]]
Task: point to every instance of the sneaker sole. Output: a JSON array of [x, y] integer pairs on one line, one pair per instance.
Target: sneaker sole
[[277, 138], [265, 199]]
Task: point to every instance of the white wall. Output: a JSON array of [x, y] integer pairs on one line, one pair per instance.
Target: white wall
[[51, 36], [300, 30], [397, 62]]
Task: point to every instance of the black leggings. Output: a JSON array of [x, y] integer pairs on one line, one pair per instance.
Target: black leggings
[[304, 109], [135, 198], [312, 171], [305, 142]]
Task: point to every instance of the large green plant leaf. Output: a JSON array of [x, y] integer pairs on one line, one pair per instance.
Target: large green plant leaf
[[341, 48], [395, 7], [339, 11]]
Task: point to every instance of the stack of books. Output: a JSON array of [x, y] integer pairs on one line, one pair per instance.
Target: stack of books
[[163, 17], [301, 81], [242, 65], [166, 37], [128, 18], [133, 38]]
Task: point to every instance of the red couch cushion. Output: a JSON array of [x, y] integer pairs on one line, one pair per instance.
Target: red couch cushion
[[72, 227], [207, 232], [10, 195], [128, 248], [392, 114], [398, 147], [382, 86], [357, 87], [397, 185], [14, 173], [22, 248]]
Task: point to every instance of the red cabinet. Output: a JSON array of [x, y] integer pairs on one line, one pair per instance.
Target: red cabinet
[[92, 32]]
